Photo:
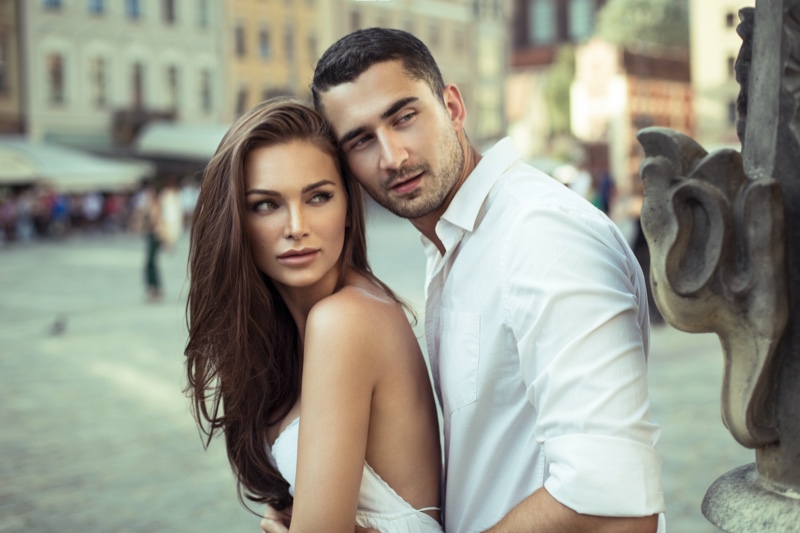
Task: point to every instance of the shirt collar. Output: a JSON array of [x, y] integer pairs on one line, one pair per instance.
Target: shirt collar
[[466, 204]]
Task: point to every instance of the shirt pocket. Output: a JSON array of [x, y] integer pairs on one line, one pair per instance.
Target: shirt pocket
[[459, 355]]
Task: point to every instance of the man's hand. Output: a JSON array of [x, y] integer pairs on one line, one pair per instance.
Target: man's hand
[[275, 521]]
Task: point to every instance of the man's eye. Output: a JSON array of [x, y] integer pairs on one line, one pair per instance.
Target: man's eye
[[360, 142], [406, 117]]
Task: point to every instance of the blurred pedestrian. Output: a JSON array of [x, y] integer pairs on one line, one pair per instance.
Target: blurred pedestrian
[[189, 193], [170, 224], [146, 220]]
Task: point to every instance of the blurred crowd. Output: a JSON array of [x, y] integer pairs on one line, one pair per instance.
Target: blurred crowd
[[39, 212]]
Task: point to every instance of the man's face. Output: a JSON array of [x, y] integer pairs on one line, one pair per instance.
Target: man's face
[[400, 142]]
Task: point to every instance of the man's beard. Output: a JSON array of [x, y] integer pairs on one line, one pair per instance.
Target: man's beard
[[435, 186]]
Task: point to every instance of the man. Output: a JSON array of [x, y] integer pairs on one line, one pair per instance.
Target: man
[[536, 313]]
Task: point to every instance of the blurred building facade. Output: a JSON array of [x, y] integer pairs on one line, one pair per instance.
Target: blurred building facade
[[11, 97], [272, 46], [541, 30], [97, 68], [714, 49], [617, 92], [92, 73]]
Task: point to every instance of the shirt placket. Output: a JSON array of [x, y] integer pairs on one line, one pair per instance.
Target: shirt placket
[[450, 236]]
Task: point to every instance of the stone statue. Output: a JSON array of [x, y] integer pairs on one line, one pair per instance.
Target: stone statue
[[724, 237]]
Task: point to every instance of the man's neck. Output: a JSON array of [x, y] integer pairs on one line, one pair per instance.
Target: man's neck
[[427, 224]]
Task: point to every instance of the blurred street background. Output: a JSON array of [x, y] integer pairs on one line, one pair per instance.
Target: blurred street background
[[97, 435], [110, 110]]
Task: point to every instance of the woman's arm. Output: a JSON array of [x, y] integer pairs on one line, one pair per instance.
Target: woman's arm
[[339, 375]]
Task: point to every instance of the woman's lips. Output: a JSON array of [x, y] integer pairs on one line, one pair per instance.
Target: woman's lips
[[298, 258]]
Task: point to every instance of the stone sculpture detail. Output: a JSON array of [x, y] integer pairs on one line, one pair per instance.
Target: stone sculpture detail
[[717, 253], [724, 237]]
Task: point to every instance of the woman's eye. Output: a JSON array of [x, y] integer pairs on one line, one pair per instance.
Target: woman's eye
[[264, 205], [321, 197]]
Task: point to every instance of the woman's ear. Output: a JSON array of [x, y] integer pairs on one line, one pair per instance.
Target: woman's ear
[[454, 104]]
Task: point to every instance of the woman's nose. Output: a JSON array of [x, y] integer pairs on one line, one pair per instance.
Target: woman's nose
[[296, 227]]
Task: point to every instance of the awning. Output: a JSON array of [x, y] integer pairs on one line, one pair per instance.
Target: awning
[[191, 142], [66, 169]]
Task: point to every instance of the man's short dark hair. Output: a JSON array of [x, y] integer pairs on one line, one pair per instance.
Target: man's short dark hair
[[353, 54]]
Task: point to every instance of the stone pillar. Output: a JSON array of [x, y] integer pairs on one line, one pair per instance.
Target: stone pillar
[[724, 236]]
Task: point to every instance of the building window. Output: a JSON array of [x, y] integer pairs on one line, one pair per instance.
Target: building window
[[52, 4], [99, 83], [732, 67], [172, 87], [312, 49], [355, 20], [732, 112], [542, 22], [433, 36], [55, 78], [205, 91], [203, 13], [96, 7], [169, 11], [241, 101], [581, 19], [3, 66], [137, 85], [730, 20], [264, 48], [459, 43], [133, 8], [288, 43], [240, 44]]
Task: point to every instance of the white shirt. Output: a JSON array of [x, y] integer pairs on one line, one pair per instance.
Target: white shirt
[[537, 329]]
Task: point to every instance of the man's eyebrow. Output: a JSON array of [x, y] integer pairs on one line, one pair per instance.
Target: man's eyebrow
[[394, 108], [311, 187]]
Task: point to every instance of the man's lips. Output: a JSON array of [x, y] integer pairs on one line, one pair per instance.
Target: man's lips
[[407, 184]]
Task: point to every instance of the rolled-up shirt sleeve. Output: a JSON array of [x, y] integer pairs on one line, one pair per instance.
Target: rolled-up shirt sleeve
[[574, 301]]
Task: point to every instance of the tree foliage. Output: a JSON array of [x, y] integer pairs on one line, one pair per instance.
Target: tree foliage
[[556, 89], [645, 23]]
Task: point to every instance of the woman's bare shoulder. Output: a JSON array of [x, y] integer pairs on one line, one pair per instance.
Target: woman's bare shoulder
[[357, 305]]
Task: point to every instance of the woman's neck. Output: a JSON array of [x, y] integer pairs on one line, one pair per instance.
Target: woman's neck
[[300, 300]]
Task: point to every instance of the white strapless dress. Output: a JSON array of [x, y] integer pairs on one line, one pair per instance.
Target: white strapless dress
[[379, 506]]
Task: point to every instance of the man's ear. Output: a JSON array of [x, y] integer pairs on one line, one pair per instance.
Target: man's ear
[[455, 106]]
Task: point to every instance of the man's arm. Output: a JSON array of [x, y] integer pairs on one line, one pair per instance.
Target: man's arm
[[552, 516], [583, 354]]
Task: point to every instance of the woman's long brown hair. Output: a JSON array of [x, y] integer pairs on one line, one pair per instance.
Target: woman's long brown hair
[[242, 356]]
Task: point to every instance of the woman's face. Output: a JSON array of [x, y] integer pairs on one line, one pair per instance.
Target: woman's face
[[296, 214]]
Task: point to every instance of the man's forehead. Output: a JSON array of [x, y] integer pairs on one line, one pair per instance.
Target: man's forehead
[[364, 100]]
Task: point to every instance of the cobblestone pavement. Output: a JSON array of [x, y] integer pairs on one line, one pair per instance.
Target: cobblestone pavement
[[96, 435]]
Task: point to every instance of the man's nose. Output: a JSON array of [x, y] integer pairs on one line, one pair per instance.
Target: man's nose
[[393, 152]]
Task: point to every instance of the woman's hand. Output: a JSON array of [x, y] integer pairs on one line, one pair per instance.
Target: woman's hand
[[275, 521], [278, 522]]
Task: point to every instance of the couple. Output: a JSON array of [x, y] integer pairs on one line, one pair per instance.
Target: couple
[[536, 320]]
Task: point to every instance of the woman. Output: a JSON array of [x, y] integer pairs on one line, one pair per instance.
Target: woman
[[297, 352]]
